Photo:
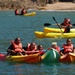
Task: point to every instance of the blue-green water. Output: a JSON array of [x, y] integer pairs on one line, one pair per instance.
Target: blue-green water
[[12, 26]]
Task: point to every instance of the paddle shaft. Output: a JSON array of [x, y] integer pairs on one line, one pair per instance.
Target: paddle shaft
[[57, 24]]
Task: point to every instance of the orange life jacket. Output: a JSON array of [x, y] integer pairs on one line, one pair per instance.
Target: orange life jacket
[[68, 48], [17, 48]]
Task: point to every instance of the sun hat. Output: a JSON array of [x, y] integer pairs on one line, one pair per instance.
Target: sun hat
[[54, 43]]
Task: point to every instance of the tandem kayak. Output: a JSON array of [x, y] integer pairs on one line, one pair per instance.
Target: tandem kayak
[[50, 56], [68, 58], [30, 14], [39, 34], [33, 58], [56, 30]]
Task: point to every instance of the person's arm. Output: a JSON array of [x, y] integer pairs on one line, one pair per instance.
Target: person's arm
[[10, 48]]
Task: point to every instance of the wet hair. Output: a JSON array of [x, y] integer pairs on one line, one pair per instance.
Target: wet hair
[[17, 38], [65, 18], [39, 46], [32, 43]]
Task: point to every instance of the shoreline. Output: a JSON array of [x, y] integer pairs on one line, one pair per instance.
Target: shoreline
[[59, 6]]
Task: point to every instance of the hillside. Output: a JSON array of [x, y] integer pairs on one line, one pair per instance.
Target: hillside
[[33, 4], [19, 4]]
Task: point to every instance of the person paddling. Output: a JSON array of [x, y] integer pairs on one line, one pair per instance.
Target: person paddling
[[15, 48], [17, 12], [66, 25], [23, 11]]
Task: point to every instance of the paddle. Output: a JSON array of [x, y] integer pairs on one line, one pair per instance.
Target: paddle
[[73, 24], [57, 24], [47, 24]]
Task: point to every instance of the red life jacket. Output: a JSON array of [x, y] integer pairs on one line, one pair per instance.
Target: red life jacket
[[67, 22], [57, 48], [42, 52], [28, 48], [68, 48], [67, 29], [17, 12]]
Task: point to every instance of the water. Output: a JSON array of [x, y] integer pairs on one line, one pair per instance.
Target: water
[[12, 26]]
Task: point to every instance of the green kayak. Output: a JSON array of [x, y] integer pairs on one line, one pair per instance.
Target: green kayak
[[51, 56]]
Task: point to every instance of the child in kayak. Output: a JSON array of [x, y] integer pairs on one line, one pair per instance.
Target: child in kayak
[[41, 49], [54, 45]]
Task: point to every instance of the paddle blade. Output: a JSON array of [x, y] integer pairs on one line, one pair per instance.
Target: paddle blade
[[47, 24], [55, 20], [73, 24]]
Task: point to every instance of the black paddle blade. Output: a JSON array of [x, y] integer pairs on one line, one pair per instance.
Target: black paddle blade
[[73, 24], [54, 18], [47, 24]]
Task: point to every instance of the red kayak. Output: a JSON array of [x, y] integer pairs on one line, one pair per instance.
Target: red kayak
[[2, 57]]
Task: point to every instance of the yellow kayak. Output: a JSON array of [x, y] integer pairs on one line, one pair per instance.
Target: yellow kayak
[[56, 30], [33, 58], [39, 34], [30, 14], [70, 57]]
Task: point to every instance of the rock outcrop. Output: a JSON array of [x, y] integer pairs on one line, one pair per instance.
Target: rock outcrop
[[27, 4]]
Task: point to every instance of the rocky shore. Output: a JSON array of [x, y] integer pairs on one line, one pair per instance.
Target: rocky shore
[[19, 4], [29, 4]]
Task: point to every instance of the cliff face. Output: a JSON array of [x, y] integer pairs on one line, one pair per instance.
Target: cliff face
[[27, 4]]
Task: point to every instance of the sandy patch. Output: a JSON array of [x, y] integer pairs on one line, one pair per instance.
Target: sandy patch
[[61, 6]]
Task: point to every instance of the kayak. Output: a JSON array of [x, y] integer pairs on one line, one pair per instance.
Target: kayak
[[30, 14], [50, 56], [68, 58], [33, 58], [2, 57], [39, 34], [56, 30]]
